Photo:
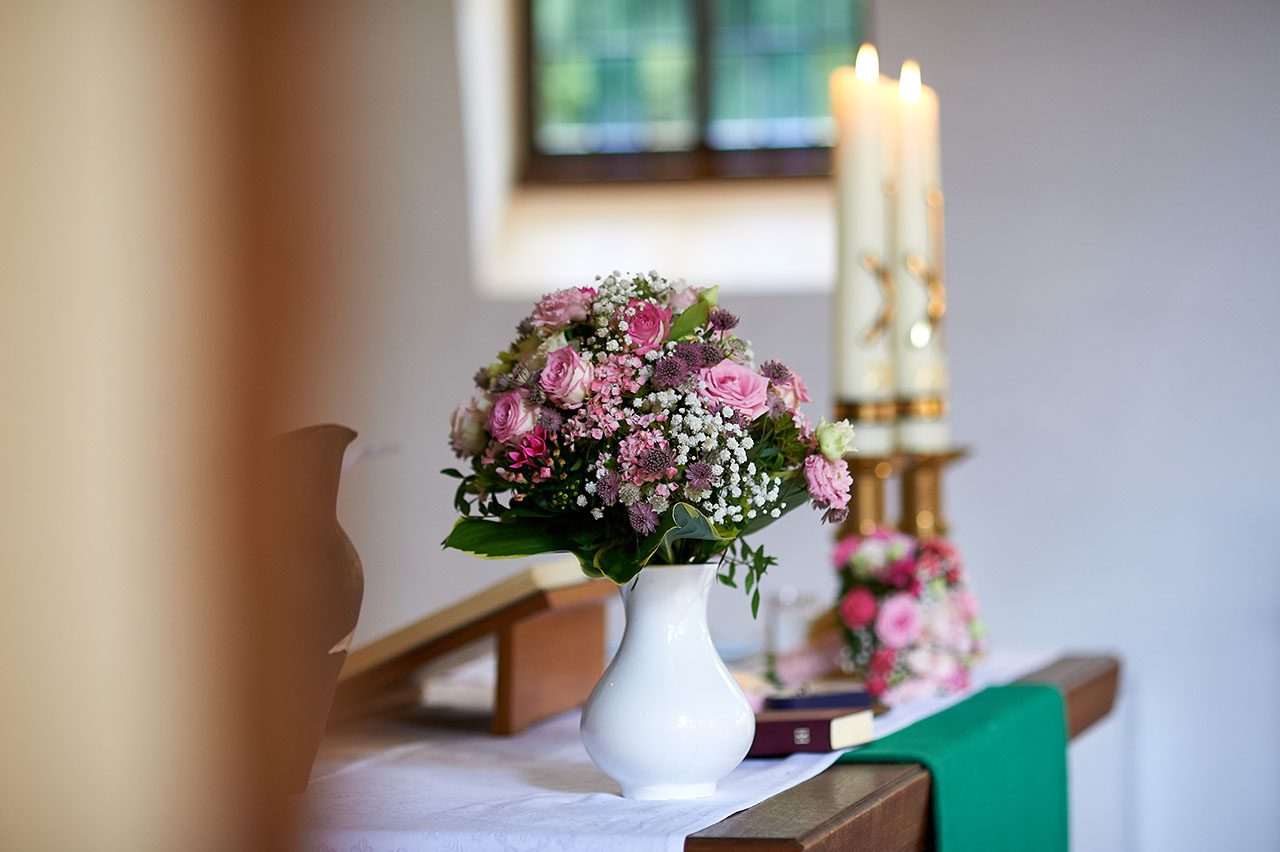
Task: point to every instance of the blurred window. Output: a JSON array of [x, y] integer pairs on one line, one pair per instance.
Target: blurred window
[[660, 89]]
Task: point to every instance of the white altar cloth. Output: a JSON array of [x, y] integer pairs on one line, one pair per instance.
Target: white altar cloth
[[400, 787]]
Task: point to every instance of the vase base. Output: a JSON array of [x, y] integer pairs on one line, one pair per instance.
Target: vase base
[[656, 792]]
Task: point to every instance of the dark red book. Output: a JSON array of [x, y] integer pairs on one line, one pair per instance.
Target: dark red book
[[780, 732]]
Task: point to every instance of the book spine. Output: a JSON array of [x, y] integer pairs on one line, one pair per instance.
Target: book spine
[[820, 701], [777, 738]]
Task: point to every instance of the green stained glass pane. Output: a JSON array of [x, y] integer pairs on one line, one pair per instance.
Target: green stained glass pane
[[769, 65], [613, 75]]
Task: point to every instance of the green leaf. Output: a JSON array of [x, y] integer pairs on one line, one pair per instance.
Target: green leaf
[[682, 521], [710, 296], [452, 471], [689, 319], [502, 539], [727, 581], [618, 562], [755, 604]]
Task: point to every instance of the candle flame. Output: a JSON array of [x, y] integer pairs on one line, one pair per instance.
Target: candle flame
[[867, 65], [909, 84]]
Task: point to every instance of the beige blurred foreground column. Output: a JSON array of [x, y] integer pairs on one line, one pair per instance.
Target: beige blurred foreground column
[[129, 637]]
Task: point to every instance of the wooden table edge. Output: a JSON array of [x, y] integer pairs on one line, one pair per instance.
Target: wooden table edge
[[886, 806]]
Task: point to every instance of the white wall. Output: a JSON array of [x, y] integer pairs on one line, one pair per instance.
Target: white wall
[[1112, 262]]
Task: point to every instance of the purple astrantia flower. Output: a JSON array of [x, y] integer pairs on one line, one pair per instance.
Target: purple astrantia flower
[[607, 487], [777, 407], [690, 353], [658, 460], [670, 372], [643, 519], [550, 419], [776, 371], [699, 475], [712, 354], [722, 320], [836, 516]]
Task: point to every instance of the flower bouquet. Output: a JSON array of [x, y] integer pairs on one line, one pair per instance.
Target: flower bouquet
[[627, 425], [910, 624]]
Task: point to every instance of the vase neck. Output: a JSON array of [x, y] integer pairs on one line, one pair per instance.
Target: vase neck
[[669, 595]]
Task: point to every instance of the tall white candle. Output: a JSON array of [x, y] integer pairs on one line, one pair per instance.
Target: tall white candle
[[864, 106], [919, 348]]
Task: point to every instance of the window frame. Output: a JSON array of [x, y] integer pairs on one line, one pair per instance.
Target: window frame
[[699, 163]]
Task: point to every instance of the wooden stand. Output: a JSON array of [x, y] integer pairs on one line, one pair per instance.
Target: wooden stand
[[550, 655]]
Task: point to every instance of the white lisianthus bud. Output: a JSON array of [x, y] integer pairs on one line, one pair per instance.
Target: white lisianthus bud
[[835, 440]]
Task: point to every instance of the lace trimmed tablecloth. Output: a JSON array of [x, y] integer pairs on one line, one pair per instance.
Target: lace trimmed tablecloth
[[403, 787]]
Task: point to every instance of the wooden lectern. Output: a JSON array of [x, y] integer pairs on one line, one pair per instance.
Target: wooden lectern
[[549, 624]]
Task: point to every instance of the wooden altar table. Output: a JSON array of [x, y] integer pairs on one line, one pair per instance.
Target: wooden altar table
[[885, 808]]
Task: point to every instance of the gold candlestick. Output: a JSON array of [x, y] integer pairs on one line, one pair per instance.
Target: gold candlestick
[[866, 502], [922, 492]]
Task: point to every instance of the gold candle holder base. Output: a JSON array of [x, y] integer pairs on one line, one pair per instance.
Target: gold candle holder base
[[866, 502], [922, 492]]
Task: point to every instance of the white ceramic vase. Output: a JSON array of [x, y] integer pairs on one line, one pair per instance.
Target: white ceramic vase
[[667, 720]]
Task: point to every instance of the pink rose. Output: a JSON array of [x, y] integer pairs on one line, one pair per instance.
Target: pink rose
[[898, 623], [566, 377], [792, 392], [858, 608], [648, 325], [829, 481], [558, 309], [737, 386], [512, 418], [467, 435], [683, 297]]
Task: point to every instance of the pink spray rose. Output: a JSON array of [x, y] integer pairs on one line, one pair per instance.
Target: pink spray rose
[[648, 325], [883, 661], [467, 435], [566, 377], [898, 623], [558, 309], [829, 481], [858, 607], [844, 551], [966, 603], [735, 385], [512, 418], [792, 392]]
